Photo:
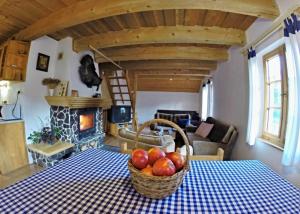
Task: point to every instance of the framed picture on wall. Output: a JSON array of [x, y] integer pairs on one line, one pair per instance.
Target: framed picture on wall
[[42, 63], [61, 89]]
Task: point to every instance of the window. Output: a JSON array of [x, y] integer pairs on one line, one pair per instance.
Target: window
[[275, 111]]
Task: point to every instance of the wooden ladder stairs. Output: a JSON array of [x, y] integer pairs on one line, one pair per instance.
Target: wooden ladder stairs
[[118, 83]]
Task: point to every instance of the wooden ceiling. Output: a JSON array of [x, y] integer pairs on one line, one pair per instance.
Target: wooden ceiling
[[141, 35]]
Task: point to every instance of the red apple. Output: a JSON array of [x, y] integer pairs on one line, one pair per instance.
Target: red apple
[[139, 158], [154, 154], [147, 170], [177, 159], [163, 167]]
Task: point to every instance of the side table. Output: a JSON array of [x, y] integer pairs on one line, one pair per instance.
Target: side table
[[47, 155]]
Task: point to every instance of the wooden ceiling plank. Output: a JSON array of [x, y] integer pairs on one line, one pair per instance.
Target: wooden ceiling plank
[[192, 17], [180, 16], [214, 18], [111, 24], [149, 19], [160, 35], [170, 17], [158, 18], [89, 10], [165, 52], [233, 20], [163, 64], [119, 22]]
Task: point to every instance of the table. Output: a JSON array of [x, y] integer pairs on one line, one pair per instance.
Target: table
[[47, 155], [97, 181]]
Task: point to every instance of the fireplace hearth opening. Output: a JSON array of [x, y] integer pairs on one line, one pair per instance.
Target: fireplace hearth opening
[[87, 122]]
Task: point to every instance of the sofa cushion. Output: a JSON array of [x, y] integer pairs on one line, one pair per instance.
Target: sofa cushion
[[219, 130], [228, 134], [193, 137], [204, 129], [178, 117], [147, 139], [205, 148], [166, 117]]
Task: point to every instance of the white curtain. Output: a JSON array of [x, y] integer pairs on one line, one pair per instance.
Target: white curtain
[[291, 153], [207, 100], [204, 101], [210, 99], [254, 99]]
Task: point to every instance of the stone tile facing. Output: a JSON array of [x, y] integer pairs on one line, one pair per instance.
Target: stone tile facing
[[67, 120]]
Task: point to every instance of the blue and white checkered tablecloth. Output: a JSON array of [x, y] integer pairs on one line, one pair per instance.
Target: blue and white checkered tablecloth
[[98, 181]]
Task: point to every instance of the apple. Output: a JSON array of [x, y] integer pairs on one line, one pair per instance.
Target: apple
[[154, 154], [139, 158], [163, 167], [177, 159], [147, 170]]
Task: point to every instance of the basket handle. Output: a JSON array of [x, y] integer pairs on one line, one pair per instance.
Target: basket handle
[[175, 126]]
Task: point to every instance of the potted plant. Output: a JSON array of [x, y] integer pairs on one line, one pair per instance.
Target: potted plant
[[46, 135], [51, 83]]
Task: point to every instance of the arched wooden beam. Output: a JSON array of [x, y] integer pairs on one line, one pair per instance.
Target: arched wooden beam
[[162, 64], [164, 52], [89, 10], [159, 35]]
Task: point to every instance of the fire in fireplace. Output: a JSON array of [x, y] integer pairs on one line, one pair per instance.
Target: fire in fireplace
[[87, 122]]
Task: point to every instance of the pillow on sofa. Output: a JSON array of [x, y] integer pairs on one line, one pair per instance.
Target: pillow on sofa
[[165, 116], [178, 117], [228, 134], [182, 123], [204, 129], [218, 132]]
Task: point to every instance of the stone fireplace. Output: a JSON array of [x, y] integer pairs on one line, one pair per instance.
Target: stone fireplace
[[82, 127], [80, 119]]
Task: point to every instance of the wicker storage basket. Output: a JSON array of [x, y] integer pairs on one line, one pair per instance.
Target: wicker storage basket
[[158, 187]]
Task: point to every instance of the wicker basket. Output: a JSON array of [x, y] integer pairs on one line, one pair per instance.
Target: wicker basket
[[158, 187]]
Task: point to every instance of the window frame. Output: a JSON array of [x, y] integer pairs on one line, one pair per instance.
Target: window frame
[[279, 140]]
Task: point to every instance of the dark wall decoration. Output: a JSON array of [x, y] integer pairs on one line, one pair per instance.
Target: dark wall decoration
[[42, 63], [87, 72]]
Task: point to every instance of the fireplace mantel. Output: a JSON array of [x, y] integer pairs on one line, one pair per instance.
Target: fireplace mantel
[[78, 102]]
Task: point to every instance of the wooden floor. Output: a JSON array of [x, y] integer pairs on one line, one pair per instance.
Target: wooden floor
[[18, 175]]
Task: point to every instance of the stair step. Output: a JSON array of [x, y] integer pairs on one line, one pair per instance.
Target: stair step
[[122, 100], [112, 77], [119, 85]]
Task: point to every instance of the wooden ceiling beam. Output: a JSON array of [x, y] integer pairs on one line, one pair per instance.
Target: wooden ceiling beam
[[160, 35], [168, 78], [89, 10], [193, 73], [164, 52], [169, 85], [162, 64]]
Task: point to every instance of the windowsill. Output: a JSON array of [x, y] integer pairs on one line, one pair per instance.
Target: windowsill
[[269, 143]]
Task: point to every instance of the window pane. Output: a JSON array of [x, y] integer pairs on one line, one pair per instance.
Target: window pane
[[273, 122], [273, 67], [275, 94]]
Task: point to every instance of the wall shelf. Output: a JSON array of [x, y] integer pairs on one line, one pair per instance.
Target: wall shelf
[[78, 102]]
